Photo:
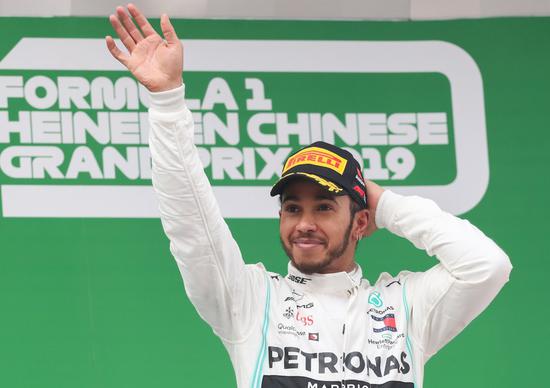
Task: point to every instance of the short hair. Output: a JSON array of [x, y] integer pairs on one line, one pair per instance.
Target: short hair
[[354, 207]]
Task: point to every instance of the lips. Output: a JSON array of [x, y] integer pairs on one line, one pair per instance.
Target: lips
[[307, 242]]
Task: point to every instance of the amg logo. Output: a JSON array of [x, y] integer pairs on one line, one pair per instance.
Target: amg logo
[[326, 362]]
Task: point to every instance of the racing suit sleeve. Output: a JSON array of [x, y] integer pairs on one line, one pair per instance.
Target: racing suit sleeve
[[224, 290], [471, 271]]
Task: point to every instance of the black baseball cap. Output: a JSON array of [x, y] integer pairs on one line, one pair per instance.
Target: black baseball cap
[[328, 165]]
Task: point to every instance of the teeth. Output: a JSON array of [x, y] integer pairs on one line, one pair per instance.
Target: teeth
[[307, 244]]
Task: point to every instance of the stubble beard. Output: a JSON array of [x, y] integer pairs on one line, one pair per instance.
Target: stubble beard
[[331, 256]]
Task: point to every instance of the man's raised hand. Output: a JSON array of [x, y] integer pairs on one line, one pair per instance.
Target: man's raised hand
[[156, 63]]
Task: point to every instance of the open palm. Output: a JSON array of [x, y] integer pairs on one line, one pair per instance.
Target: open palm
[[157, 63]]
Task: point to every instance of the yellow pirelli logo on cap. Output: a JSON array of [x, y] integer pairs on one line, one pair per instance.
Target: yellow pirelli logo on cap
[[317, 157]]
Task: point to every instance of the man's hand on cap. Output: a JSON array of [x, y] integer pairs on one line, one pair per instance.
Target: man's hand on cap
[[374, 192]]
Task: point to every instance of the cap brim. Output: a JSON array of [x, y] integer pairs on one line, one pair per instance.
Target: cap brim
[[330, 186]]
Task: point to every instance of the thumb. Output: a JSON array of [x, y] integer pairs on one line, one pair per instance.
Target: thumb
[[168, 30]]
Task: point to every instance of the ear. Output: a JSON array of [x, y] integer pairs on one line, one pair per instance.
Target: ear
[[362, 219]]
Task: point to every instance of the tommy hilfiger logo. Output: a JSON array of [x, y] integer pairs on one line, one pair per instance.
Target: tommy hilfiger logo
[[388, 321]]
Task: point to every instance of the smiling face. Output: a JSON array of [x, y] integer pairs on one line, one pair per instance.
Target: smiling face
[[316, 228]]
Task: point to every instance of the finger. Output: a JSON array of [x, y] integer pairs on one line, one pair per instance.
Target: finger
[[115, 51], [141, 20], [123, 35], [168, 30], [129, 24]]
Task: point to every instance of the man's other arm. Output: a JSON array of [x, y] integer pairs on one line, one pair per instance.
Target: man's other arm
[[471, 271]]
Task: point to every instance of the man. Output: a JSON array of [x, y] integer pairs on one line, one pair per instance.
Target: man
[[322, 325]]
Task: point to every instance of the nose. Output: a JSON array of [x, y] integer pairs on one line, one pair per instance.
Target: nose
[[306, 224]]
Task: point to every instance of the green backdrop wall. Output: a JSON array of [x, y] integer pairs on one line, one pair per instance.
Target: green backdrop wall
[[89, 294]]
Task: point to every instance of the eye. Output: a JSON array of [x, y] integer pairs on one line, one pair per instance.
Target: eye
[[291, 208], [324, 207]]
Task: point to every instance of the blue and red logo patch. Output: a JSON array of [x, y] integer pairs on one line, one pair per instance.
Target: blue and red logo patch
[[388, 321]]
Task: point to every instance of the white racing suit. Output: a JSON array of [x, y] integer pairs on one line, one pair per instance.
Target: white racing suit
[[318, 331]]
